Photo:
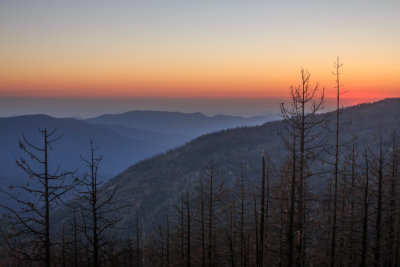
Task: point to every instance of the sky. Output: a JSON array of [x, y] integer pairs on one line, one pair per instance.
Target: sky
[[208, 49]]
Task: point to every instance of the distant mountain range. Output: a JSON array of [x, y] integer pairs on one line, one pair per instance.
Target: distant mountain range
[[188, 124], [154, 184], [123, 139]]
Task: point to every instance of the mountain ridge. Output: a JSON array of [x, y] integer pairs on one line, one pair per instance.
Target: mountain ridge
[[154, 184], [120, 145], [189, 124]]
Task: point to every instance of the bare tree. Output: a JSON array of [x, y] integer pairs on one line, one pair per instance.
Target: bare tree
[[37, 199], [188, 233], [392, 218], [352, 219], [210, 213], [301, 120], [256, 230], [138, 241], [363, 260], [262, 213], [335, 184], [168, 239], [98, 209], [243, 250], [202, 220], [377, 252]]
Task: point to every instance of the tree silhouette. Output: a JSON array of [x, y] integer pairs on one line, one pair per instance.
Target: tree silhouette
[[335, 184], [98, 209], [301, 122], [37, 199]]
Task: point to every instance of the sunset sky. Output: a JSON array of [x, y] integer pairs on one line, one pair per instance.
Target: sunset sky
[[190, 49]]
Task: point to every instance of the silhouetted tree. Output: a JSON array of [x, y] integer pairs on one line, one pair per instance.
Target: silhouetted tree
[[37, 199], [301, 120], [336, 171], [98, 209], [393, 215], [378, 229], [188, 233], [363, 259], [262, 213]]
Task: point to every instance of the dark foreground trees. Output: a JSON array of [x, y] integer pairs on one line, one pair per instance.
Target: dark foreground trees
[[85, 236], [32, 239]]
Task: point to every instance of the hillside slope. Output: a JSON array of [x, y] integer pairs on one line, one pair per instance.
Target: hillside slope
[[156, 183], [120, 146]]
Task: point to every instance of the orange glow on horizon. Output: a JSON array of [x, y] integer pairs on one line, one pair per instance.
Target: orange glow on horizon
[[188, 81]]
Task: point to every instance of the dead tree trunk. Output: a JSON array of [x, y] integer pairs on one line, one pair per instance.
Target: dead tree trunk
[[210, 215], [138, 254], [256, 229], [188, 237], [379, 205], [46, 199], [268, 188], [352, 201], [75, 240], [291, 208], [168, 240], [262, 215], [182, 215], [363, 260], [93, 176], [391, 261], [203, 234], [333, 241], [242, 233]]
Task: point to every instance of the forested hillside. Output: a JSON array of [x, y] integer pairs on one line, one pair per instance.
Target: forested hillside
[[157, 182], [207, 195], [233, 198]]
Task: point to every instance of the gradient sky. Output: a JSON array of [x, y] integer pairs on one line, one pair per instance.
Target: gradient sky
[[217, 49]]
